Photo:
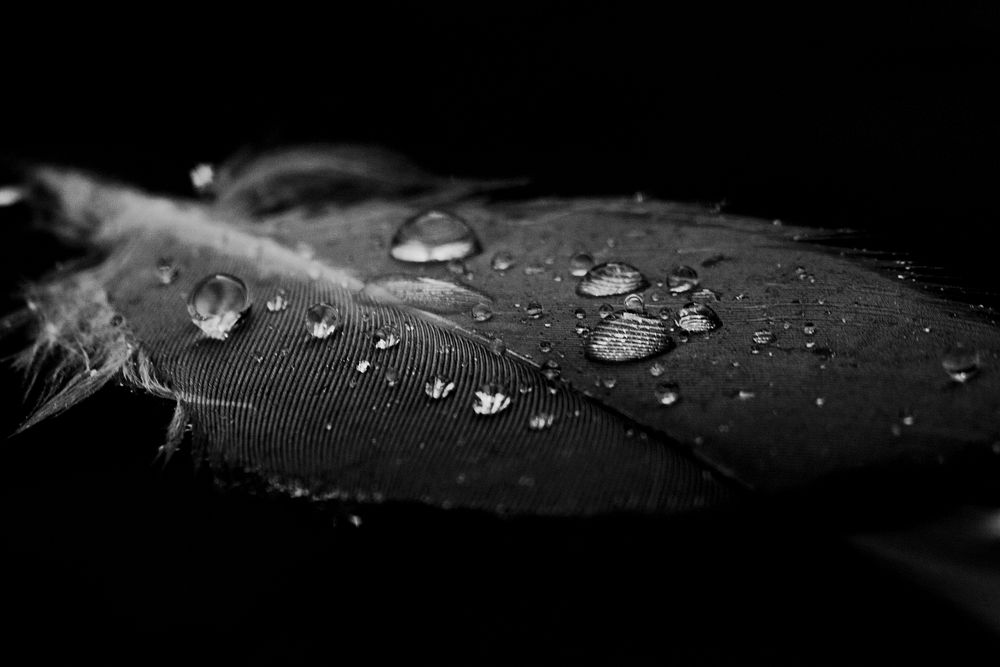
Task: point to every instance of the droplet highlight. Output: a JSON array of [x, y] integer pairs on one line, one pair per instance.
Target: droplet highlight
[[434, 236]]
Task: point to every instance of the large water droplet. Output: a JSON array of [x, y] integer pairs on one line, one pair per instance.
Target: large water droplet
[[217, 303], [961, 363], [490, 398], [540, 421], [580, 263], [667, 393], [166, 271], [481, 312], [697, 318], [434, 236], [626, 336], [386, 336], [634, 303], [278, 302], [502, 261], [439, 387], [322, 320], [682, 279], [611, 279]]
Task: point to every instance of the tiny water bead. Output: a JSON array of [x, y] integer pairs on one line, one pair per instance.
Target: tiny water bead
[[533, 269], [764, 337], [322, 320], [217, 303], [545, 346], [534, 310], [697, 318], [391, 376], [456, 267], [202, 177], [682, 279], [634, 303], [278, 302], [386, 336], [363, 366], [664, 313], [540, 421], [961, 363], [166, 271], [605, 310], [611, 279], [745, 395], [667, 393], [579, 313], [809, 329], [582, 329], [481, 312], [434, 236], [439, 387], [551, 369], [580, 263], [657, 368], [502, 261], [490, 398], [609, 382], [627, 336]]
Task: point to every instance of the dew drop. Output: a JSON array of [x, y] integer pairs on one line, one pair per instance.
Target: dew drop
[[386, 336], [634, 303], [540, 421], [363, 366], [391, 376], [763, 337], [533, 269], [439, 387], [534, 310], [611, 279], [434, 236], [579, 313], [489, 399], [217, 303], [202, 177], [657, 368], [744, 395], [582, 329], [682, 279], [605, 310], [322, 320], [551, 369], [166, 271], [961, 363], [481, 312], [697, 318], [502, 261], [627, 336], [456, 267], [580, 263], [609, 382], [809, 329], [545, 346], [278, 302], [667, 393]]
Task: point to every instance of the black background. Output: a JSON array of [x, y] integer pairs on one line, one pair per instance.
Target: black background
[[880, 121]]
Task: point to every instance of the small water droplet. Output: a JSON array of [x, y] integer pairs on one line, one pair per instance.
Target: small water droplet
[[820, 402], [217, 303], [202, 177], [580, 263], [386, 336], [434, 236], [551, 369], [540, 421], [608, 382], [481, 312], [166, 271], [764, 337], [582, 329], [664, 313], [961, 363], [697, 318], [391, 376], [490, 398], [322, 320], [439, 387], [611, 279], [278, 302], [545, 346], [533, 269], [744, 395], [502, 261], [667, 393], [579, 313], [605, 310], [809, 329], [634, 303], [534, 310], [497, 346], [363, 366], [682, 279], [657, 368]]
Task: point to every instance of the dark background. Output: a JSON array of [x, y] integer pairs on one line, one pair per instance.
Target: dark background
[[879, 121]]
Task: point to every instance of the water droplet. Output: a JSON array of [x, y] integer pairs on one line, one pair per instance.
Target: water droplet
[[820, 402], [961, 363], [580, 263], [634, 303], [582, 329], [434, 236], [809, 329], [217, 303], [540, 421], [665, 313], [490, 398], [605, 310], [667, 393], [579, 313], [391, 376], [682, 279], [609, 382], [456, 267], [386, 336], [438, 387], [551, 369], [533, 269], [657, 368], [534, 310], [502, 261], [497, 346], [202, 177], [166, 271], [744, 395], [764, 337], [363, 366], [11, 194], [278, 302], [697, 318], [657, 295], [545, 346], [611, 279], [481, 312], [907, 418], [322, 320], [626, 336]]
